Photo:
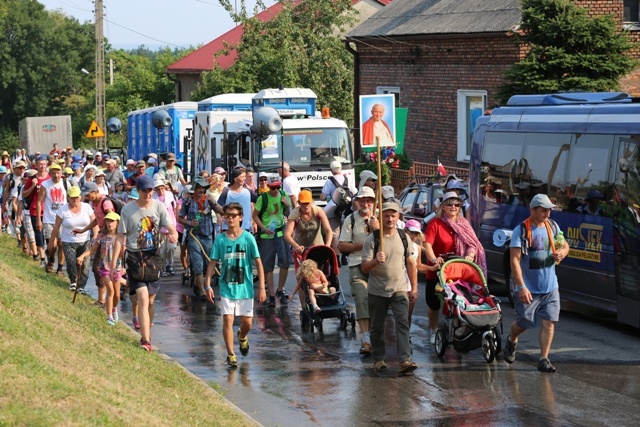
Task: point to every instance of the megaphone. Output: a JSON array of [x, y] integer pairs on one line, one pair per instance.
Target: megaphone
[[114, 125], [266, 121], [161, 119]]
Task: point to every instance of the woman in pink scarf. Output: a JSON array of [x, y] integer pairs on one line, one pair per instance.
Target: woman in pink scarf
[[448, 233]]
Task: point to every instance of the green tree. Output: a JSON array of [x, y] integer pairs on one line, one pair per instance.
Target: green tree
[[568, 51], [300, 47]]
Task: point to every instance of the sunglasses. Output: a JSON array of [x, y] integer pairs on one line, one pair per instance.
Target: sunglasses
[[264, 179], [275, 188], [231, 215], [455, 205]]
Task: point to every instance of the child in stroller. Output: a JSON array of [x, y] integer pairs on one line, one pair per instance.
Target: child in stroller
[[315, 279]]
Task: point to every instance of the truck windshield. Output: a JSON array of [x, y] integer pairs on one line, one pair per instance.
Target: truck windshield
[[307, 149]]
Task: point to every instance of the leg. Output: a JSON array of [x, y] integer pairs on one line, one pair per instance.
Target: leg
[[142, 295], [361, 298], [108, 284], [312, 300], [227, 332], [72, 267], [84, 268], [400, 309], [378, 307], [283, 261], [183, 256], [245, 326], [152, 309], [433, 303], [547, 329]]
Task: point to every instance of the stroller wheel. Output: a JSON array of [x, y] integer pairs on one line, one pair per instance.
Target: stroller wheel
[[441, 341], [497, 340], [352, 320], [488, 347]]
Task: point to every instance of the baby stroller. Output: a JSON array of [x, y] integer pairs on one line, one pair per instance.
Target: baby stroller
[[331, 305], [472, 314]]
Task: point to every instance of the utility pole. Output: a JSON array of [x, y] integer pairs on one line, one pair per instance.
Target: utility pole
[[100, 101]]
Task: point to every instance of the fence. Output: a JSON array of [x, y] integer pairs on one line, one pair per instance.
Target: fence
[[422, 172]]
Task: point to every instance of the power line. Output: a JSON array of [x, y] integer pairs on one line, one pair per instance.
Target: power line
[[144, 35]]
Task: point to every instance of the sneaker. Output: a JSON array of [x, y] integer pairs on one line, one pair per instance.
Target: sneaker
[[272, 301], [115, 315], [380, 366], [136, 324], [544, 365], [72, 287], [432, 337], [164, 274], [317, 309], [170, 270], [82, 291], [344, 260], [365, 348], [283, 296], [111, 322], [43, 263], [407, 367], [510, 351], [146, 345], [232, 361], [244, 344]]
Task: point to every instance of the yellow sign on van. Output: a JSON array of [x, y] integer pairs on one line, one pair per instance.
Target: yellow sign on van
[[94, 131]]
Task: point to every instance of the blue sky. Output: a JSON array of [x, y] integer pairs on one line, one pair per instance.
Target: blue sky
[[155, 23]]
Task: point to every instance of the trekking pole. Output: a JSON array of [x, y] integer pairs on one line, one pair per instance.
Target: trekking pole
[[379, 194]]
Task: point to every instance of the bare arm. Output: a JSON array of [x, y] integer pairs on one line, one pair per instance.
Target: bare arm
[[262, 293], [41, 194], [515, 254], [324, 222]]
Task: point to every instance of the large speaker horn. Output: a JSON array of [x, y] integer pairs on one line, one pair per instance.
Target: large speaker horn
[[266, 120], [161, 119], [114, 125]]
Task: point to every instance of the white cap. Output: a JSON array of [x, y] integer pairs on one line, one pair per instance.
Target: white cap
[[335, 166], [388, 192], [367, 174], [131, 162]]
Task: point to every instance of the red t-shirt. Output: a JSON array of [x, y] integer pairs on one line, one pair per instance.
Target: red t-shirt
[[34, 194], [442, 239]]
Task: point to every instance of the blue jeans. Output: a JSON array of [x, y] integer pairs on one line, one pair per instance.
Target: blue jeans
[[195, 253]]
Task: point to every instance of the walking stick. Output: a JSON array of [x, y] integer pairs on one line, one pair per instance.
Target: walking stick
[[215, 271], [379, 194]]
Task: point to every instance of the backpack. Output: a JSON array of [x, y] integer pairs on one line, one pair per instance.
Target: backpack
[[117, 204], [403, 236], [265, 202], [342, 196]]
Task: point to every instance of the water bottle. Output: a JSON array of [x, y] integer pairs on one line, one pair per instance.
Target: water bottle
[[559, 243], [272, 226], [199, 220]]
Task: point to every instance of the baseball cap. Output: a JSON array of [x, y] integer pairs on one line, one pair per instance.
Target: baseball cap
[[367, 174], [76, 159], [106, 156], [335, 166], [89, 187], [87, 167], [134, 194], [305, 196], [594, 194], [75, 166], [68, 170], [201, 181], [365, 192], [220, 171], [55, 167], [112, 216], [154, 155], [144, 182], [99, 172], [152, 161], [31, 172], [110, 162], [159, 182], [454, 184], [131, 162], [263, 175], [171, 156], [3, 169], [98, 153], [413, 225], [73, 191], [390, 206], [541, 200], [141, 163], [275, 182], [19, 164], [388, 192]]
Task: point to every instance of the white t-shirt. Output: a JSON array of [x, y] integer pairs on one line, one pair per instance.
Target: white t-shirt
[[71, 221], [291, 186], [54, 198]]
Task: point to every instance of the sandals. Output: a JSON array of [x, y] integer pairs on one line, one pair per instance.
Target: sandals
[[380, 366], [99, 304]]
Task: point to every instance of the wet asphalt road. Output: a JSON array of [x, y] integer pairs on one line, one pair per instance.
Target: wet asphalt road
[[291, 378]]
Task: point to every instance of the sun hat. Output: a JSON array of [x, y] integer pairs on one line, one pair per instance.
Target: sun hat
[[454, 184], [366, 192], [391, 206], [159, 182], [450, 195], [87, 167], [201, 181], [89, 187], [31, 173], [112, 216], [144, 182], [73, 191], [305, 196], [413, 225], [541, 200], [19, 164], [99, 172]]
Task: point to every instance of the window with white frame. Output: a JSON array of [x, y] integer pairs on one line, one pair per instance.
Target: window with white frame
[[631, 11], [471, 105], [386, 90]]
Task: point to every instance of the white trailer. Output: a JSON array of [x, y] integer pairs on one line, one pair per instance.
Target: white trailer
[[38, 134]]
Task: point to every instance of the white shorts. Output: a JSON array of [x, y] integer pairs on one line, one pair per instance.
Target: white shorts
[[237, 307], [47, 229]]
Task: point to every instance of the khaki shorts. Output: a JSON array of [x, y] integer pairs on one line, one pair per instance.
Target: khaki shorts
[[47, 229], [358, 281]]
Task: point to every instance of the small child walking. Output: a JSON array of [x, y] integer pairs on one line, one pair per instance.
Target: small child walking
[[236, 250], [105, 243], [317, 281]]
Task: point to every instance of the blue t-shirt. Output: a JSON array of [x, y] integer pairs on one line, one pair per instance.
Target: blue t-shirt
[[538, 267], [236, 269]]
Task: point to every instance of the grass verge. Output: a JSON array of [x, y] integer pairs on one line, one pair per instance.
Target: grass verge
[[61, 364]]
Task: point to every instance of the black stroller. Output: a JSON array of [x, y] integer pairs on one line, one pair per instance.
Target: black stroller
[[331, 305]]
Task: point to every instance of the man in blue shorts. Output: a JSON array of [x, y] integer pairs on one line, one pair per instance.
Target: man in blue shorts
[[533, 267], [236, 250]]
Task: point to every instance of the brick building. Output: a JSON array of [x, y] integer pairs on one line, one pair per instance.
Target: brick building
[[444, 60]]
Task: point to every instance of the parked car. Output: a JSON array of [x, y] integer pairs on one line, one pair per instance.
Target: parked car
[[417, 200]]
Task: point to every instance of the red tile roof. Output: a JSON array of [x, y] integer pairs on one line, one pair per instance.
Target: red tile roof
[[203, 59]]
